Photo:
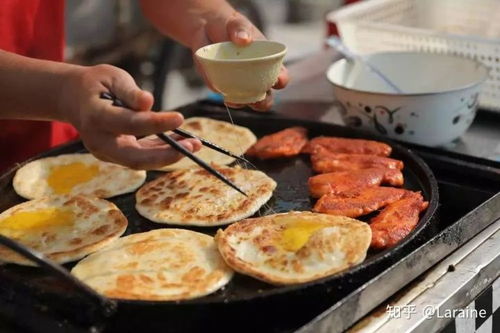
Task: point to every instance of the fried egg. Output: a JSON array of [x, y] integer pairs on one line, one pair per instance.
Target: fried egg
[[234, 138], [163, 264], [63, 228], [294, 247], [195, 197], [73, 174]]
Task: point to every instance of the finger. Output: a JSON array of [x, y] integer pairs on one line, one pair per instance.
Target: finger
[[124, 121], [124, 88], [283, 79], [263, 105], [127, 151], [195, 143], [240, 30], [154, 141]]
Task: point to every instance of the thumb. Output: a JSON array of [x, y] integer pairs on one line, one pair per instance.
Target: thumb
[[125, 89], [240, 30]]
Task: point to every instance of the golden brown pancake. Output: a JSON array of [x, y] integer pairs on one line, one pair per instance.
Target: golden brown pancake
[[294, 247], [63, 228], [163, 264]]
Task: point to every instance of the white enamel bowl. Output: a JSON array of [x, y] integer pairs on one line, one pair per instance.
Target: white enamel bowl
[[438, 103], [242, 74]]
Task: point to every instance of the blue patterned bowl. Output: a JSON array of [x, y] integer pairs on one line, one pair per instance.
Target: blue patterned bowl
[[438, 103]]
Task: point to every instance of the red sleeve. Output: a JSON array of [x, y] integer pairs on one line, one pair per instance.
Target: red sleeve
[[33, 28]]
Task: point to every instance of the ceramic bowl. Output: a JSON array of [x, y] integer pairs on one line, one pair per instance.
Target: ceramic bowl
[[242, 74], [438, 103]]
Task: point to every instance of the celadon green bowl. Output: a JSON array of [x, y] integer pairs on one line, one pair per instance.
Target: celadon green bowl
[[242, 74]]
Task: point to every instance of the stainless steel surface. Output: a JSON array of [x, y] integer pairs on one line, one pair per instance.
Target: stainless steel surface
[[355, 306], [309, 85], [452, 284]]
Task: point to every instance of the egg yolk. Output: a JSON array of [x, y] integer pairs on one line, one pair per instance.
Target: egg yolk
[[62, 178], [297, 234], [20, 222]]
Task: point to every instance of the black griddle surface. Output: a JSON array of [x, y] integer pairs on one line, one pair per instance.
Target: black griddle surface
[[243, 293]]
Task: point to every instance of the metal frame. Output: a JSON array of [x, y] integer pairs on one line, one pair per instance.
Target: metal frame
[[359, 303]]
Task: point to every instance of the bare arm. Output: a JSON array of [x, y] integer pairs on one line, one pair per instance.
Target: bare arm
[[185, 20], [29, 87], [46, 90]]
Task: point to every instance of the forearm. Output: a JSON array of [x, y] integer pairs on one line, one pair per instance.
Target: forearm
[[29, 88], [184, 19]]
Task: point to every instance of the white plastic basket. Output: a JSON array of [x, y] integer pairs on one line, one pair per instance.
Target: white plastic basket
[[469, 28]]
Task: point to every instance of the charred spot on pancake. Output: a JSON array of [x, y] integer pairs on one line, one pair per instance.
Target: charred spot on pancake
[[195, 274], [214, 190], [147, 201], [221, 216], [125, 282], [101, 193], [75, 241], [245, 204], [181, 195], [85, 205], [269, 249], [160, 276], [194, 125], [101, 230], [140, 248], [174, 175], [51, 238], [165, 203], [130, 265], [117, 216], [146, 279], [202, 172], [228, 172]]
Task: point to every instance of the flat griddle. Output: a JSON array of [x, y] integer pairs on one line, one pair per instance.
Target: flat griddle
[[244, 297]]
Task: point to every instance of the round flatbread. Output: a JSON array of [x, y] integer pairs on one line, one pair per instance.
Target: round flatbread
[[74, 174], [236, 139], [195, 197], [294, 247], [163, 264], [63, 228]]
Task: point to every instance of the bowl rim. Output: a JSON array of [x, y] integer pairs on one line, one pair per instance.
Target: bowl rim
[[370, 92], [260, 41]]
